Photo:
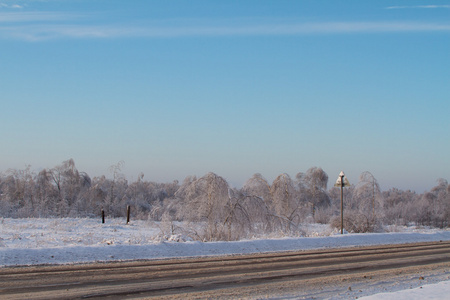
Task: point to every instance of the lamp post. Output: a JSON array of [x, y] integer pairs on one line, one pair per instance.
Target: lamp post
[[342, 201], [342, 182]]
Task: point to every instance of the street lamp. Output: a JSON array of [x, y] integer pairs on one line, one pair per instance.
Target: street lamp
[[342, 182]]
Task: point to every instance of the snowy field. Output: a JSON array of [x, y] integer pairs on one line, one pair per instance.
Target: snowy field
[[66, 241]]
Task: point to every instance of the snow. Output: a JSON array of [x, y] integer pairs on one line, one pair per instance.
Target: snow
[[71, 240], [436, 291]]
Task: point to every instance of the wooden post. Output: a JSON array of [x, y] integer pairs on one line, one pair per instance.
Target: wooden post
[[128, 214], [103, 216]]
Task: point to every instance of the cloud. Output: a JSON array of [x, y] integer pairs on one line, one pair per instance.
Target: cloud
[[38, 32], [418, 6], [15, 6], [23, 17]]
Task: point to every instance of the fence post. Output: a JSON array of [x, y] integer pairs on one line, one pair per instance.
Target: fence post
[[128, 214], [103, 216]]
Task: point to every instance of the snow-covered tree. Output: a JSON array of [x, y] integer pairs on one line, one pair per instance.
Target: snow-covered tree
[[287, 203], [258, 200], [205, 201], [367, 199]]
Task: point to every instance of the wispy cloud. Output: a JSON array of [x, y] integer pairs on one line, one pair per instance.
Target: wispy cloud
[[418, 6], [9, 5], [175, 29], [23, 17]]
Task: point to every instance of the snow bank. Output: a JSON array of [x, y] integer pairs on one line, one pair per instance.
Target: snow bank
[[436, 291], [64, 241]]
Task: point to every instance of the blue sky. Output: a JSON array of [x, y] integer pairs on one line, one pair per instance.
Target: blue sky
[[177, 88]]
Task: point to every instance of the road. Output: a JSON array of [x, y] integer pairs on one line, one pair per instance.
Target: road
[[246, 276]]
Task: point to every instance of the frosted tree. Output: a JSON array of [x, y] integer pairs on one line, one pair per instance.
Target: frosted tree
[[115, 170], [114, 203], [18, 193], [401, 207], [205, 200], [287, 203], [46, 193], [442, 191], [69, 183], [147, 197], [257, 185], [140, 195], [258, 200], [210, 201], [185, 187], [237, 217], [312, 187], [316, 181], [436, 205], [367, 198]]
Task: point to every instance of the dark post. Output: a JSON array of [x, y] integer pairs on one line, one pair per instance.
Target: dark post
[[128, 214], [342, 204], [103, 216]]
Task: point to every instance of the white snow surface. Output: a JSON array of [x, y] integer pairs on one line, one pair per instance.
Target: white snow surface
[[438, 291], [71, 240]]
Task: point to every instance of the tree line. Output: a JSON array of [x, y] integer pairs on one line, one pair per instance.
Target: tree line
[[224, 212]]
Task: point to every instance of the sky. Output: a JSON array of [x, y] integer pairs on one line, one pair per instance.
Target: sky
[[179, 88]]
